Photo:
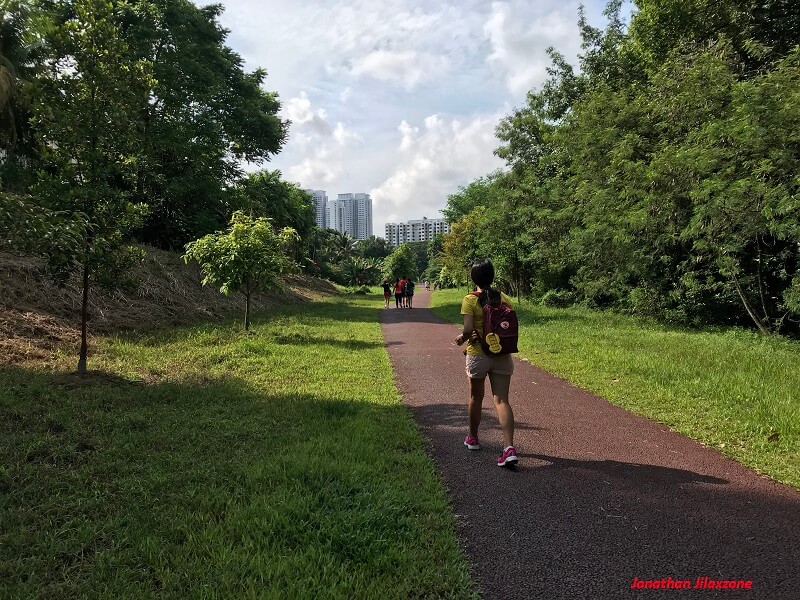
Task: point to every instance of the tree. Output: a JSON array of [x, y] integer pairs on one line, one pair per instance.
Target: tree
[[84, 119], [342, 245], [480, 192], [420, 252], [21, 43], [400, 263], [373, 247], [464, 244], [265, 194], [28, 228], [747, 201], [362, 271], [246, 258], [201, 119]]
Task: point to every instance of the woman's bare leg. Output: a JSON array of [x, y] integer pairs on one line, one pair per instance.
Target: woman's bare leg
[[476, 391], [500, 387]]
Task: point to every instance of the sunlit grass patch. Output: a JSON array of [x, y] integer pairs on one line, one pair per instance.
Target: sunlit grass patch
[[212, 463], [732, 389]]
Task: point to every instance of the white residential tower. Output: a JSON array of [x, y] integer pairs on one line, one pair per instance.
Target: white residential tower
[[420, 230]]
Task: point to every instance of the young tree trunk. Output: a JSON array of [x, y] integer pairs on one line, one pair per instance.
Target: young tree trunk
[[761, 283], [84, 318], [247, 308], [749, 308]]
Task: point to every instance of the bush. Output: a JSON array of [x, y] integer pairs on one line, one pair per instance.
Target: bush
[[361, 291], [558, 298], [645, 301]]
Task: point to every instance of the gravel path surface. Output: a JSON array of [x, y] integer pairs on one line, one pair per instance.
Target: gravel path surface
[[601, 498]]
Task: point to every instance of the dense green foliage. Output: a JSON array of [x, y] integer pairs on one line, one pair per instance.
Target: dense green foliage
[[400, 264], [189, 126], [206, 464], [661, 179], [730, 388], [127, 121]]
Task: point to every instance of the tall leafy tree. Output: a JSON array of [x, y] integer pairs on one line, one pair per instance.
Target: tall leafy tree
[[85, 120], [21, 53], [265, 194], [203, 116], [658, 177], [400, 263], [373, 247], [341, 244]]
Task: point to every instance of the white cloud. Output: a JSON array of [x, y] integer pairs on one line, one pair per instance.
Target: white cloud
[[320, 151], [433, 162], [299, 112], [311, 170], [408, 67], [343, 136], [349, 72], [519, 39]]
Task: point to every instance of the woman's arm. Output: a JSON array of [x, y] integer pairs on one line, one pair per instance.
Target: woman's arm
[[469, 327]]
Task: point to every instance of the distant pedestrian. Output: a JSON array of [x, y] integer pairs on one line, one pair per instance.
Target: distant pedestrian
[[403, 290], [499, 368], [427, 286], [398, 293], [387, 293], [410, 293]]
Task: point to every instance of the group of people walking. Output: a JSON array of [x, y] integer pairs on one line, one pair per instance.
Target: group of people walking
[[403, 292]]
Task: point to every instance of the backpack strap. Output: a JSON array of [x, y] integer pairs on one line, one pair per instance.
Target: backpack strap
[[483, 299]]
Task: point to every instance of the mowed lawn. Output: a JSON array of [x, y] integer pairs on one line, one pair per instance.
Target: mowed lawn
[[206, 463], [731, 389]]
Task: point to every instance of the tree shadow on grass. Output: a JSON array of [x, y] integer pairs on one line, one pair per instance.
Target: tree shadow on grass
[[160, 463]]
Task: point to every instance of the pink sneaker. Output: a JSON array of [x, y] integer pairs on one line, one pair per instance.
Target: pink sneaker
[[508, 458], [472, 443]]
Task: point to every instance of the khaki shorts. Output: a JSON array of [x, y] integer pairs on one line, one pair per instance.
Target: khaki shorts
[[480, 365]]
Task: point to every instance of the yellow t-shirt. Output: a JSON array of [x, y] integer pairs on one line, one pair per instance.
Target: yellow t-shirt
[[471, 306]]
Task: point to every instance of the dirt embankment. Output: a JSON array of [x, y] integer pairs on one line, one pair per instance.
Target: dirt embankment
[[37, 317]]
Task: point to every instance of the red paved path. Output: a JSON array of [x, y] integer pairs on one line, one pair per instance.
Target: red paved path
[[601, 496]]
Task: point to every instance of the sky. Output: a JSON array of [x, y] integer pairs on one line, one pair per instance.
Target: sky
[[398, 98]]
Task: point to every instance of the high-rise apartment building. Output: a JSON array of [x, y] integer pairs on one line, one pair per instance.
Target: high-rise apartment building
[[420, 230], [320, 207], [351, 213]]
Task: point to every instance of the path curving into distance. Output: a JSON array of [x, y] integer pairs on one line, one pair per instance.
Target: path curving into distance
[[601, 496]]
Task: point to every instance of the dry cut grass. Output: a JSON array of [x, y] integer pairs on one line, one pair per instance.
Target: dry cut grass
[[37, 317]]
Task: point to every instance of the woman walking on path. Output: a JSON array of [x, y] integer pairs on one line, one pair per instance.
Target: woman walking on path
[[398, 293], [479, 365], [387, 293], [403, 292], [410, 293]]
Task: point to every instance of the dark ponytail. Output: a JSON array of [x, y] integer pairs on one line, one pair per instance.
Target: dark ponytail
[[482, 274]]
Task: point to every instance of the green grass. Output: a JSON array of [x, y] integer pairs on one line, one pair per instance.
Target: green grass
[[206, 463], [731, 389]]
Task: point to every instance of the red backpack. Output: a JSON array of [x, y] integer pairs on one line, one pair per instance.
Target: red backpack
[[500, 325]]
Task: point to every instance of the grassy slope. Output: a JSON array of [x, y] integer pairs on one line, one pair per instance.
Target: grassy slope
[[36, 316], [730, 389], [207, 463]]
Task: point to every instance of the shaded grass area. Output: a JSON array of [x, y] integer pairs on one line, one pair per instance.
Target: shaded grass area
[[202, 462], [729, 388]]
